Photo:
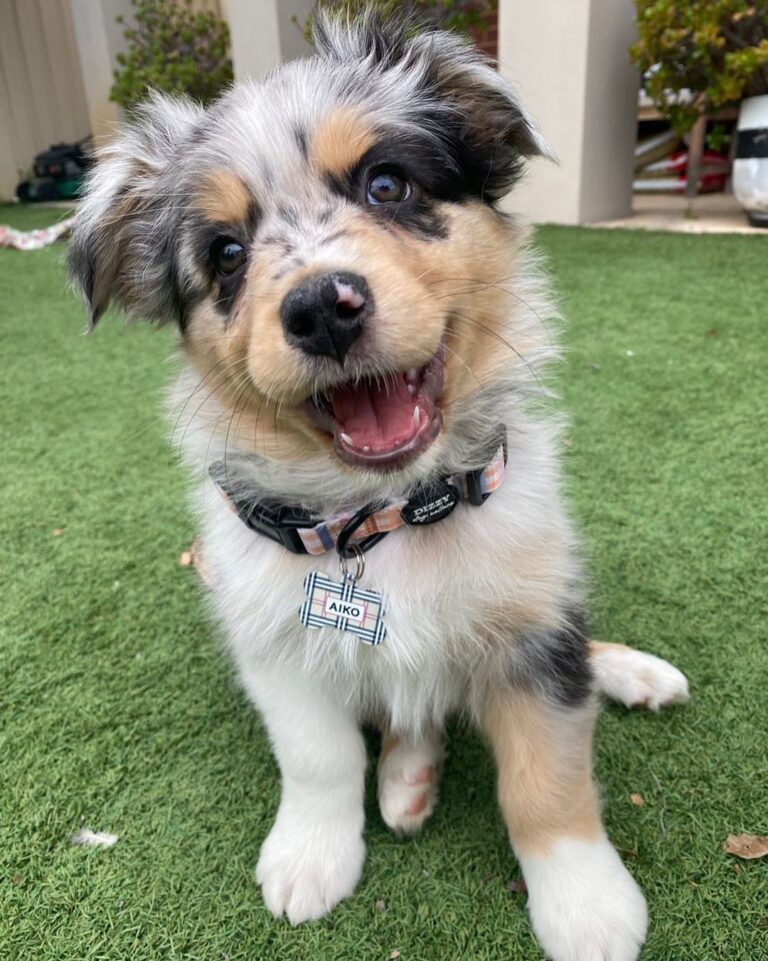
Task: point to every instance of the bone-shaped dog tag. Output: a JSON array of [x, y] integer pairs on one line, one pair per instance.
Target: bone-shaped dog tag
[[344, 606]]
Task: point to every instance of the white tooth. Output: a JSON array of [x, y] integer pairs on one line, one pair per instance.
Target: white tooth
[[346, 438], [411, 375], [416, 416], [366, 448], [411, 389]]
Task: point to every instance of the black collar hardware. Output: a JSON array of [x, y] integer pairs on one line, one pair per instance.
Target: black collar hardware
[[427, 503]]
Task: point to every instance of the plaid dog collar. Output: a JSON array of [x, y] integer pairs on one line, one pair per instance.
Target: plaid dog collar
[[300, 532]]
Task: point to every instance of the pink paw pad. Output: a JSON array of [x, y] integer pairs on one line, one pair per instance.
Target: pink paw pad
[[418, 805], [408, 778]]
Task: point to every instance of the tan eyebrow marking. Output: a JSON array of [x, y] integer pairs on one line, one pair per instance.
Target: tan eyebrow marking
[[340, 140], [224, 198]]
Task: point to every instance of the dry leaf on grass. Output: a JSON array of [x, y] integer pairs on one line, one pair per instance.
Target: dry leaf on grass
[[57, 532], [638, 800], [517, 887], [746, 845], [394, 955]]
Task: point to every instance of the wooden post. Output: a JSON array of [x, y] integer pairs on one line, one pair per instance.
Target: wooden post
[[695, 154]]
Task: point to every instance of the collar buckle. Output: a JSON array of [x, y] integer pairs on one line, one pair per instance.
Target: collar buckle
[[279, 522], [279, 525]]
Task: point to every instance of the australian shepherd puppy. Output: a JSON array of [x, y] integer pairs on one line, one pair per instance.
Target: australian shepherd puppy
[[364, 338]]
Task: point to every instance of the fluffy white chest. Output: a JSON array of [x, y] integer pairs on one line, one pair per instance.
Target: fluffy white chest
[[438, 584]]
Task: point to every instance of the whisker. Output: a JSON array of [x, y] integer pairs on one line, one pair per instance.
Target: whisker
[[241, 395], [241, 388], [473, 321], [479, 285], [203, 380], [464, 364], [220, 381]]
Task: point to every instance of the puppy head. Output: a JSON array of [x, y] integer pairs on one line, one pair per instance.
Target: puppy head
[[326, 240]]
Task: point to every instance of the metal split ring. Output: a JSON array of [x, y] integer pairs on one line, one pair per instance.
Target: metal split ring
[[360, 558]]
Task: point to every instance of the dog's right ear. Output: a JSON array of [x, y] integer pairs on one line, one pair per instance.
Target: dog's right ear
[[122, 243]]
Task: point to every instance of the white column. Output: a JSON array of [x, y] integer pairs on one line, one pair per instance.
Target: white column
[[99, 39], [264, 33], [570, 60]]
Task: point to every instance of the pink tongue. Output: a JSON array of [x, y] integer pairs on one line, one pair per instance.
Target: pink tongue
[[377, 414]]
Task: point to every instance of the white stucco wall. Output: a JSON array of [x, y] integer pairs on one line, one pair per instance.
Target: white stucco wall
[[264, 33], [99, 39], [570, 60]]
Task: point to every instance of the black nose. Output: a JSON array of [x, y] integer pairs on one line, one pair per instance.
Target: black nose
[[325, 314]]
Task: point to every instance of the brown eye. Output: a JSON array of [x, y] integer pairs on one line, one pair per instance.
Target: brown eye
[[227, 255], [387, 188]]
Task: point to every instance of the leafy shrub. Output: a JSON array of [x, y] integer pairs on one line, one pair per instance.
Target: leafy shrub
[[716, 48], [174, 49]]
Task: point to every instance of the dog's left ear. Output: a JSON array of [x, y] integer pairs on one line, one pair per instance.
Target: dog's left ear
[[122, 244], [495, 131]]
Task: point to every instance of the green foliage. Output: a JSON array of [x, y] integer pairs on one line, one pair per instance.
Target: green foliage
[[718, 138], [463, 16], [717, 48], [174, 49]]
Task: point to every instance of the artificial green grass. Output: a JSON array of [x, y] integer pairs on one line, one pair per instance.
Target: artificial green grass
[[119, 711]]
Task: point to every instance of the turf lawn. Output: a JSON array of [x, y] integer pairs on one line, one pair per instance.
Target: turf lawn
[[119, 711]]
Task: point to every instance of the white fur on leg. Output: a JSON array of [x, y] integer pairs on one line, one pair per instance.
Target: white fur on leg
[[637, 679], [408, 782], [313, 856], [584, 904], [310, 861]]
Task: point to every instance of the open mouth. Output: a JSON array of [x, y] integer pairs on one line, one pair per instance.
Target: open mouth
[[383, 422]]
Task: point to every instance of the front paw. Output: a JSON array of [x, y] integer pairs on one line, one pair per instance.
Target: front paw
[[584, 904], [306, 866]]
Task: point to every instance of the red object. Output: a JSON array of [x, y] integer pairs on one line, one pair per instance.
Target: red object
[[670, 174]]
